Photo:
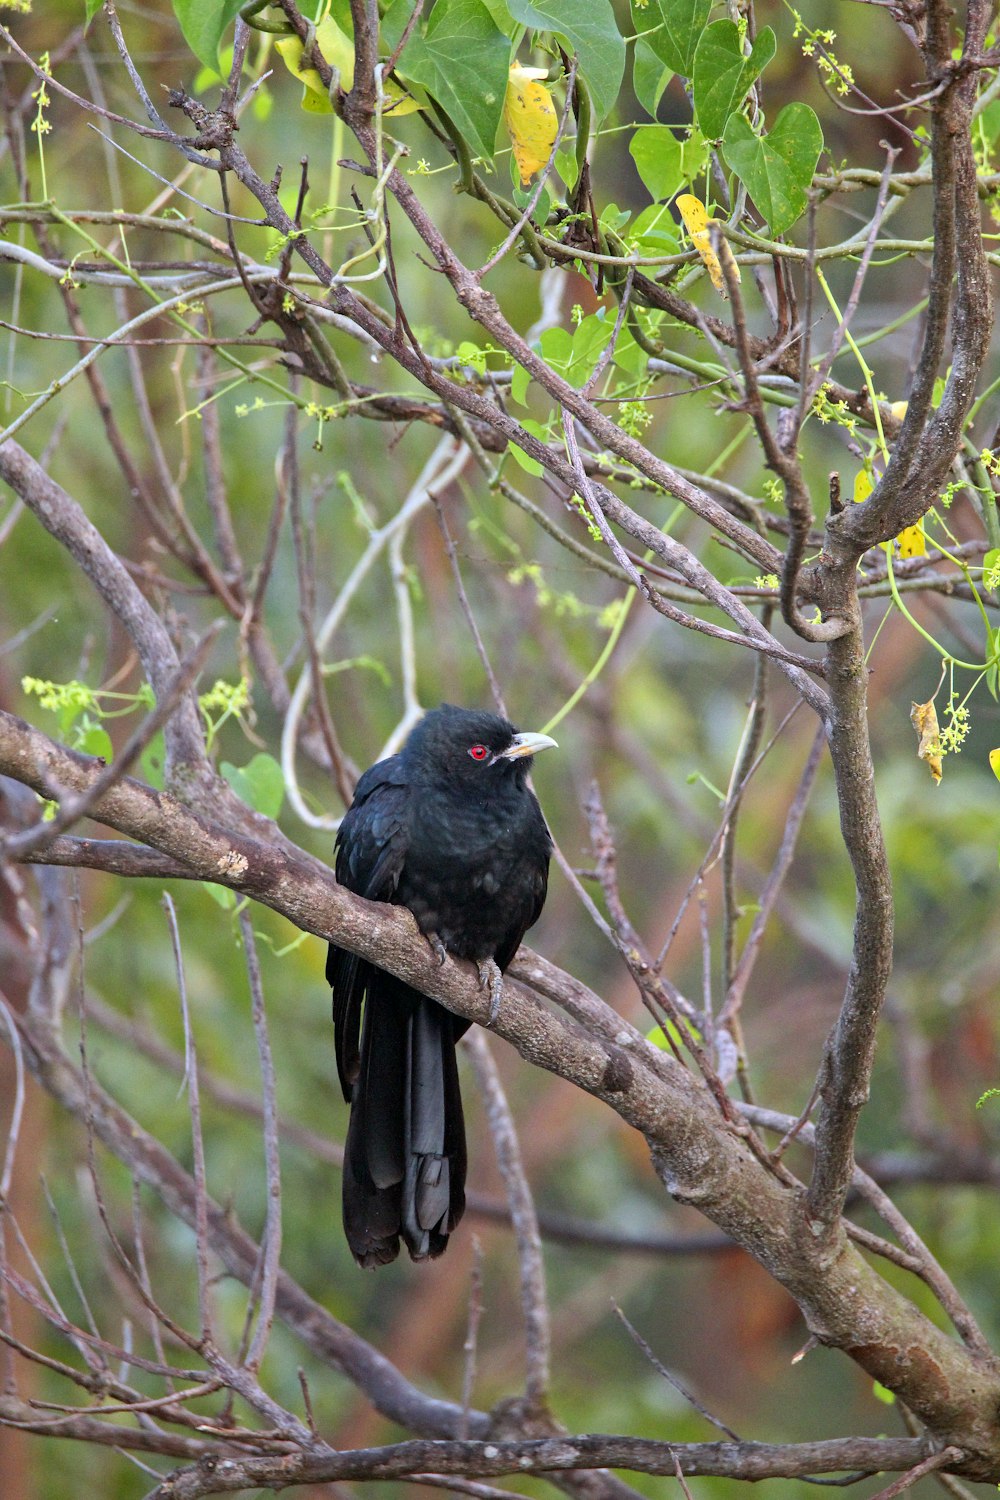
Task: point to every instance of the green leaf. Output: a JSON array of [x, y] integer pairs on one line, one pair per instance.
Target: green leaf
[[152, 761], [556, 346], [613, 218], [203, 23], [664, 161], [92, 7], [650, 76], [629, 356], [519, 381], [882, 1393], [993, 660], [778, 167], [97, 741], [522, 197], [529, 465], [462, 58], [589, 342], [220, 893], [722, 75], [589, 29], [654, 232], [260, 783], [677, 39], [500, 12], [656, 152], [538, 430], [472, 355], [575, 354], [566, 166], [671, 1036]]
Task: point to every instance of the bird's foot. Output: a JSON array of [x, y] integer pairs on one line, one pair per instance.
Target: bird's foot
[[437, 947], [491, 978]]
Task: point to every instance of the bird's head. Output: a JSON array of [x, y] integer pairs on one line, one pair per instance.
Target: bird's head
[[472, 747]]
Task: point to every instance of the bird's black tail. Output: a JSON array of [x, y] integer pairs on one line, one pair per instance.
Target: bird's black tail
[[404, 1158]]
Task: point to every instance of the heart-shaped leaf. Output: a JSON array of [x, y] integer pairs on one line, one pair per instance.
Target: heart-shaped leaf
[[677, 39], [665, 161], [203, 23], [650, 76], [722, 75], [461, 57], [590, 30], [778, 167]]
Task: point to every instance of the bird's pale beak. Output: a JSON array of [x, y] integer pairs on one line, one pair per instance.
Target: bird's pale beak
[[527, 744]]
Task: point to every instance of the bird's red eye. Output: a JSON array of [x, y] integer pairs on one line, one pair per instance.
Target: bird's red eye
[[478, 752]]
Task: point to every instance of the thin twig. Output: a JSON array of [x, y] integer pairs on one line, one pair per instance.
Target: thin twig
[[466, 608], [908, 1480], [271, 1241], [197, 1138], [470, 1348], [534, 1301], [672, 1379]]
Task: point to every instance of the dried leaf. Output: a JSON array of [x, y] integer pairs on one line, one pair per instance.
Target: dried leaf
[[698, 225], [531, 118], [923, 717]]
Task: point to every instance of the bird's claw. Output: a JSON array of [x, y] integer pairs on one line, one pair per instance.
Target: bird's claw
[[491, 978], [437, 947]]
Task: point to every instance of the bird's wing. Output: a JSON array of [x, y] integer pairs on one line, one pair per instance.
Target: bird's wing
[[539, 843], [371, 850], [372, 842]]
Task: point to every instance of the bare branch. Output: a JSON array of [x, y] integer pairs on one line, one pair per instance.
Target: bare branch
[[534, 1301]]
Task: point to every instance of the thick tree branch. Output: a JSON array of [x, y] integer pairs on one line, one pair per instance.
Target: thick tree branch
[[750, 1461], [849, 1054], [926, 445], [702, 1159]]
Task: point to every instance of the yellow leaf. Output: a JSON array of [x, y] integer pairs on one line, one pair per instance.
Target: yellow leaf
[[863, 486], [531, 118], [338, 49], [995, 762], [912, 542], [698, 225], [898, 409], [923, 717]]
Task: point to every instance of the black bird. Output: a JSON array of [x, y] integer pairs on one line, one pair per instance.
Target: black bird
[[450, 829]]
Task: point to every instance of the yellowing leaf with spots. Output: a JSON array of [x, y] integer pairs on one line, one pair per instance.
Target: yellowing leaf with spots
[[912, 542], [531, 118], [923, 717], [995, 762], [698, 225], [863, 486]]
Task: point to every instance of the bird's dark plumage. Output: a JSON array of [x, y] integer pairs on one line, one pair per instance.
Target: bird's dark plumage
[[450, 829]]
